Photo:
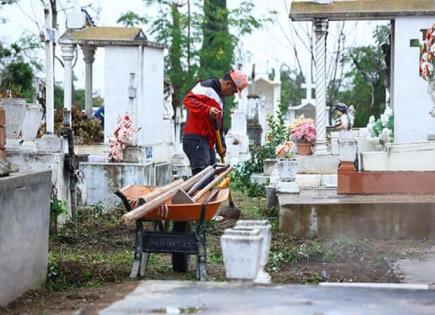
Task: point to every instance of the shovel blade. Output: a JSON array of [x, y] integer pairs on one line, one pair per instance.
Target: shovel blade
[[181, 197]]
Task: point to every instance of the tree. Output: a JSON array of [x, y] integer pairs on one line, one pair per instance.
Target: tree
[[367, 81], [18, 74], [217, 51], [131, 19], [291, 88], [201, 36]]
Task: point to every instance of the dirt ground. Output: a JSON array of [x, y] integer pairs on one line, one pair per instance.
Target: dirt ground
[[89, 262]]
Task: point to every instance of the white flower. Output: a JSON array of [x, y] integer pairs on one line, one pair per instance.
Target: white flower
[[424, 57], [385, 135], [372, 119], [388, 111], [374, 140], [384, 120]]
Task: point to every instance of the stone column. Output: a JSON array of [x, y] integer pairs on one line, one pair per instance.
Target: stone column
[[88, 57], [67, 56], [49, 70], [321, 32]]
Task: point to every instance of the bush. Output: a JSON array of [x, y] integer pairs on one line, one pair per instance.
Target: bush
[[278, 134]]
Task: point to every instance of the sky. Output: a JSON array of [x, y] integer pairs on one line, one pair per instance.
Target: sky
[[269, 47]]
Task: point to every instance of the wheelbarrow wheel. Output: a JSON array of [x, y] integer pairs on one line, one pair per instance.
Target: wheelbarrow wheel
[[180, 261]]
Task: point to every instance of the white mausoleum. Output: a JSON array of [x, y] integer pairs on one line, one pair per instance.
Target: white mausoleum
[[409, 92]]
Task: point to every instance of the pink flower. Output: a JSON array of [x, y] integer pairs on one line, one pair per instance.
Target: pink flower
[[285, 150], [305, 131], [122, 136]]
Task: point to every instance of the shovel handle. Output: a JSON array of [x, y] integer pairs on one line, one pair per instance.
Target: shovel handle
[[217, 133]]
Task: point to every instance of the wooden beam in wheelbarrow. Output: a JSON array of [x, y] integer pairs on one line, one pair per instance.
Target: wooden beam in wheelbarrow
[[136, 192], [213, 183], [183, 197], [142, 210]]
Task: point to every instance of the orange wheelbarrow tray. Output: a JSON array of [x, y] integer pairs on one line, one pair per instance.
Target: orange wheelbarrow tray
[[132, 198], [188, 212]]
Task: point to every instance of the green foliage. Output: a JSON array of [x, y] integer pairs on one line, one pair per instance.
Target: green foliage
[[202, 36], [365, 83], [278, 133], [131, 19], [217, 51], [18, 77], [57, 208], [97, 210]]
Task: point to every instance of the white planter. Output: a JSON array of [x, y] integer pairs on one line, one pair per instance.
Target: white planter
[[32, 122], [16, 109], [347, 150], [269, 165], [241, 251], [265, 227], [287, 170]]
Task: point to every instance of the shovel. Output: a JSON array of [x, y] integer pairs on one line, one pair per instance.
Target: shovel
[[230, 211]]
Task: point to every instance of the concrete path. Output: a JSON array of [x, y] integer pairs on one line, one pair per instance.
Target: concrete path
[[176, 297], [419, 269]]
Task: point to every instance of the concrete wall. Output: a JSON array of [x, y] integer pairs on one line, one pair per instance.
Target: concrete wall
[[102, 179], [412, 102], [24, 225], [35, 162], [382, 220]]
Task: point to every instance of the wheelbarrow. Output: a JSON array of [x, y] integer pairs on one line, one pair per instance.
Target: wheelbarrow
[[157, 239]]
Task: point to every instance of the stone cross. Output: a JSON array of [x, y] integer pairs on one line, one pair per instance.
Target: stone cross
[[308, 86]]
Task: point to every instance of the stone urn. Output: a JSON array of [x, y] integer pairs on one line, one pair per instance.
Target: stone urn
[[269, 165], [241, 251], [266, 229], [287, 169], [304, 148], [347, 150], [16, 109]]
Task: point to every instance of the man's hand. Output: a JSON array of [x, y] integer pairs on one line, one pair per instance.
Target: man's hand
[[213, 112]]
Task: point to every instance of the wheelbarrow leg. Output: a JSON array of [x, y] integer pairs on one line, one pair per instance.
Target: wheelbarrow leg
[[146, 255], [201, 271], [136, 266]]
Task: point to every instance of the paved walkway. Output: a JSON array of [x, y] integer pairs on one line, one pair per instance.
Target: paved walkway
[[176, 297], [419, 269]]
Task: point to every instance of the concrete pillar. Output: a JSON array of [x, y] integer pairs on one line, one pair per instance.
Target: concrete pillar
[[88, 57], [49, 71], [2, 133], [67, 56], [321, 32]]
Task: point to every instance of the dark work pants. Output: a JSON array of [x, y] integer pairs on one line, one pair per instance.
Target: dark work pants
[[198, 152]]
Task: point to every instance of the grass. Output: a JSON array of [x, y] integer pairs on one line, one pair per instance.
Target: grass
[[97, 251]]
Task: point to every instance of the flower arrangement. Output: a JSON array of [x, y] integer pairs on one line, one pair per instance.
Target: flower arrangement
[[285, 150], [427, 54], [122, 136], [381, 131], [303, 130]]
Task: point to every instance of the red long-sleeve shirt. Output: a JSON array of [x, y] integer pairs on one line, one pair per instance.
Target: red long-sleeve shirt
[[198, 101]]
